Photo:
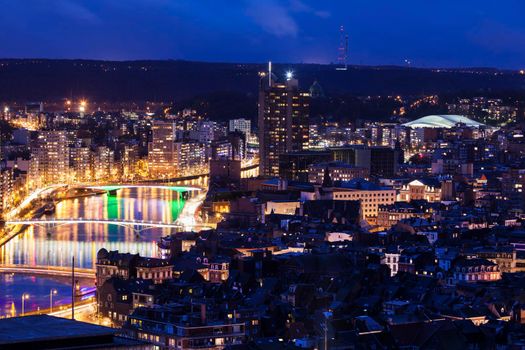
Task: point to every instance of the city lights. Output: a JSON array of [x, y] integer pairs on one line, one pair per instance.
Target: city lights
[[371, 196]]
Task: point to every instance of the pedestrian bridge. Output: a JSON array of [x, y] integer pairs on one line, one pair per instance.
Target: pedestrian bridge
[[137, 225]]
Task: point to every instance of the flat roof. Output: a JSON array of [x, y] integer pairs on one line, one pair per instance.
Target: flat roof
[[38, 328]]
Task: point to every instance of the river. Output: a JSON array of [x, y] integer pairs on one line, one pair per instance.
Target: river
[[40, 246]]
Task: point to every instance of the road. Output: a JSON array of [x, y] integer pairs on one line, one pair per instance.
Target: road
[[48, 271]]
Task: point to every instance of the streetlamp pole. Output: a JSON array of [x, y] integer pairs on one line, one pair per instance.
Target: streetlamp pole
[[51, 293], [73, 287], [24, 297]]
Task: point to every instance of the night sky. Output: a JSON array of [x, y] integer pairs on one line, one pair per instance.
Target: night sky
[[430, 33]]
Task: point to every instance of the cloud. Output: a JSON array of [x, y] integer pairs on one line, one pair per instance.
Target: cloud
[[497, 37], [76, 10], [301, 6], [273, 18]]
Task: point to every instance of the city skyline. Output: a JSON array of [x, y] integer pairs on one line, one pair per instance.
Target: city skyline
[[481, 34], [169, 204]]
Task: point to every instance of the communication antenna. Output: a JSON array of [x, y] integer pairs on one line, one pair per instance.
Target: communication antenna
[[342, 56], [270, 73]]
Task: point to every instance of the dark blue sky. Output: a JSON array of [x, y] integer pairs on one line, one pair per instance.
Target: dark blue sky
[[429, 32]]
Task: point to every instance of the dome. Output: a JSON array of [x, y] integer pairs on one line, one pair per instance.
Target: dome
[[102, 254], [442, 121]]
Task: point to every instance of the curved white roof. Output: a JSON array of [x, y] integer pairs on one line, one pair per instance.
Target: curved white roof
[[442, 121]]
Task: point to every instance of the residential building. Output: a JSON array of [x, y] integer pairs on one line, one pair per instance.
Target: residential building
[[283, 122]]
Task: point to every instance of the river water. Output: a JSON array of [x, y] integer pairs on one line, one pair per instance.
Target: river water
[[40, 246]]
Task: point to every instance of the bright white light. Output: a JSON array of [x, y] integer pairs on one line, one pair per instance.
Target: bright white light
[[289, 75], [6, 109]]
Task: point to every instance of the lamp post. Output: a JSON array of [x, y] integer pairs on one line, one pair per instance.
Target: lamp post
[[327, 315], [25, 296], [51, 293], [73, 287]]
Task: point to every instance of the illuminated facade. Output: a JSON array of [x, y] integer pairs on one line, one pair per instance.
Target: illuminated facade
[[50, 159], [242, 125], [162, 154], [80, 161], [337, 171], [283, 122], [6, 188], [420, 189], [104, 163], [130, 159], [191, 157]]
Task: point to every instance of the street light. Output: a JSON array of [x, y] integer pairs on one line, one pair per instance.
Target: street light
[[51, 293], [327, 315], [25, 296]]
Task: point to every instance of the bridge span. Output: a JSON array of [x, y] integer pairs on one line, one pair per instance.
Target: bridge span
[[112, 187], [52, 271], [137, 225]]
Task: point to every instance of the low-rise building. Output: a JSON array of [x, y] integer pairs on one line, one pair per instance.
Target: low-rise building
[[474, 270]]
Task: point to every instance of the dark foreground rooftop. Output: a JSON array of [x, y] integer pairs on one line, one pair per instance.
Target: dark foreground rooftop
[[49, 332]]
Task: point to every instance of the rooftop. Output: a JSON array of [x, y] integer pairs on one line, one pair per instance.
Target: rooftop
[[49, 332], [442, 121]]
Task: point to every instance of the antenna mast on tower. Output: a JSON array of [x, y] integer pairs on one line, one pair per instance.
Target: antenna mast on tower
[[342, 56]]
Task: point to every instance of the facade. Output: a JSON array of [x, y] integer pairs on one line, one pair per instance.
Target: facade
[[162, 155], [157, 270], [191, 157], [504, 257], [81, 161], [50, 159], [283, 122], [126, 266], [369, 195], [420, 189], [103, 163], [391, 259], [242, 125], [380, 161], [6, 188], [370, 199], [130, 158], [295, 165], [338, 171], [475, 270], [390, 214], [173, 327]]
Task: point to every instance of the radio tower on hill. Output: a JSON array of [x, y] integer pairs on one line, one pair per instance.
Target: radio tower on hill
[[342, 50]]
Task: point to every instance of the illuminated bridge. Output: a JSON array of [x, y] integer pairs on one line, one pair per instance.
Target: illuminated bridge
[[115, 187], [137, 225]]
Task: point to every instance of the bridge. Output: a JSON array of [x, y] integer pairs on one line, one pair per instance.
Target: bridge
[[137, 225], [114, 187], [51, 271]]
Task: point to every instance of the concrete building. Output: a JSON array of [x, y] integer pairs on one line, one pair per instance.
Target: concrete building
[[242, 125], [80, 162], [50, 159], [190, 157], [379, 160], [338, 171], [103, 163], [162, 155], [427, 189], [283, 122]]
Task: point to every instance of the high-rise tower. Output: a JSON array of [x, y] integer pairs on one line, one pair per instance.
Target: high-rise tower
[[342, 56], [283, 121]]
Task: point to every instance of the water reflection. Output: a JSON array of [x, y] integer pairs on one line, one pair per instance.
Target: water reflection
[[55, 246], [13, 286]]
